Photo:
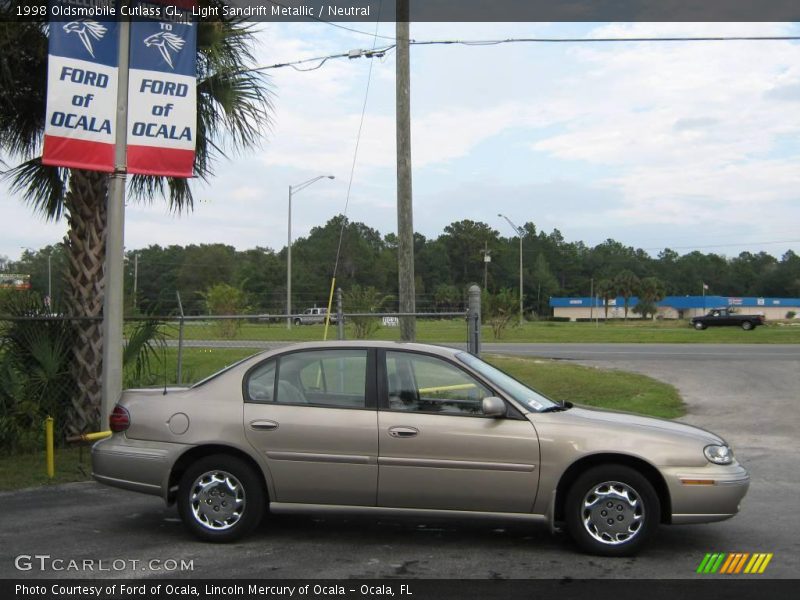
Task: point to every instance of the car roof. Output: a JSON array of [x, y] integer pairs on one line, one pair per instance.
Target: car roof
[[329, 345], [248, 362]]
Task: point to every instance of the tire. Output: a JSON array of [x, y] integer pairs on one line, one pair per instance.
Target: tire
[[612, 493], [747, 325], [699, 326], [208, 486], [298, 322]]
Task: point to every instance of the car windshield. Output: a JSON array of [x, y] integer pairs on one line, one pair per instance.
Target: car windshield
[[519, 391]]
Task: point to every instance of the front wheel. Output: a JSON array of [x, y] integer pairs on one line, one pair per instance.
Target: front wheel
[[612, 510], [220, 498], [699, 326], [298, 322], [747, 325]]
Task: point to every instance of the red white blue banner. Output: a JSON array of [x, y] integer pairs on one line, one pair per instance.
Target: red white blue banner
[[80, 127], [162, 93]]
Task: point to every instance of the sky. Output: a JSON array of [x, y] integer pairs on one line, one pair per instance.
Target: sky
[[682, 145]]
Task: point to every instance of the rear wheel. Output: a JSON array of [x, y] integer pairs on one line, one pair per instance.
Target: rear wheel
[[747, 325], [612, 510], [220, 498]]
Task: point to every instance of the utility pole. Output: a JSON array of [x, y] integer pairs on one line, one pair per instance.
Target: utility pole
[[405, 219], [135, 278], [50, 276], [487, 258]]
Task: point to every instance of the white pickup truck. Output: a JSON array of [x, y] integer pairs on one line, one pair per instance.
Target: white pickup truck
[[312, 316]]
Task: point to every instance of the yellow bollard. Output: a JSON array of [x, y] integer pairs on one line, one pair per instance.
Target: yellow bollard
[[48, 436], [328, 314], [89, 437]]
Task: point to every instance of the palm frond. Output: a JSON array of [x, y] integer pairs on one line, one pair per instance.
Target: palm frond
[[143, 344], [234, 107], [23, 86], [177, 191], [41, 186]]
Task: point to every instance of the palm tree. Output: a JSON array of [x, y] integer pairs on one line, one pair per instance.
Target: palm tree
[[606, 291], [651, 290], [233, 111], [627, 284]]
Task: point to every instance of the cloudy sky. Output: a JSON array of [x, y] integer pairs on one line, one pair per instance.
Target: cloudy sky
[[682, 145]]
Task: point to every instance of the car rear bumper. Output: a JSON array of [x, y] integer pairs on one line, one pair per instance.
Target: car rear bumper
[[135, 465], [706, 494]]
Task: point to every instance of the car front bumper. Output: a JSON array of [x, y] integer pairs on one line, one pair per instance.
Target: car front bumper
[[706, 494]]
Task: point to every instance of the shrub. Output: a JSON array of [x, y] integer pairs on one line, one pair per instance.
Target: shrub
[[224, 299], [36, 380], [500, 310], [364, 300]]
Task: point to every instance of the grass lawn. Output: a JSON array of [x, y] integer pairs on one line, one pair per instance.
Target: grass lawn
[[19, 471], [561, 381], [455, 330], [617, 390]]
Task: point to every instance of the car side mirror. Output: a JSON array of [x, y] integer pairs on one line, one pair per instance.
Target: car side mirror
[[493, 407]]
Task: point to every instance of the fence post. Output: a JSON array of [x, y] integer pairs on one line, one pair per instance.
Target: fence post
[[339, 315], [474, 320], [179, 375]]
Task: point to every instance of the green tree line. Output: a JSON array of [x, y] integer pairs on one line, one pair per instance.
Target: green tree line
[[444, 265]]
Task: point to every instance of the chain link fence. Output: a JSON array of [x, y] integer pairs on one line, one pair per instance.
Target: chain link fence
[[39, 354]]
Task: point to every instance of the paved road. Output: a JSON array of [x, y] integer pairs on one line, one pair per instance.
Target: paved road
[[749, 394], [615, 353]]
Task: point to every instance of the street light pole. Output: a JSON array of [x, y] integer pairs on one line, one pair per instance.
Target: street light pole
[[519, 231], [293, 190]]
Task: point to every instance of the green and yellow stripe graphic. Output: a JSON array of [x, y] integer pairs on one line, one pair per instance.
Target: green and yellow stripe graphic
[[734, 563]]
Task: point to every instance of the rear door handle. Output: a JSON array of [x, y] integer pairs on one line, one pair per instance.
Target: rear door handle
[[403, 432], [263, 425]]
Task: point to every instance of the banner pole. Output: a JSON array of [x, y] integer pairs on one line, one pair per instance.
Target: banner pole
[[115, 249]]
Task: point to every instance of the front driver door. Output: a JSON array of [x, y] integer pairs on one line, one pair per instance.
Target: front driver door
[[436, 448]]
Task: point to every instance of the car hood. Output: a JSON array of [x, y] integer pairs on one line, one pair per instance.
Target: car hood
[[627, 422]]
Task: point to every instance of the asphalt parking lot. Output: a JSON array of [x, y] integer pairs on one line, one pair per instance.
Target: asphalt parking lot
[[750, 395]]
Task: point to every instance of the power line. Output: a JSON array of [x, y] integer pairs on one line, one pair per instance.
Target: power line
[[607, 40], [318, 20], [351, 54], [355, 150], [380, 52], [739, 244]]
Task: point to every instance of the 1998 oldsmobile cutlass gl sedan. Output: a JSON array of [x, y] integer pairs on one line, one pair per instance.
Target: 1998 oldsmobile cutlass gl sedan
[[415, 429]]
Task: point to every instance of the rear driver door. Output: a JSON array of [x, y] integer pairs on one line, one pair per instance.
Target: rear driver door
[[312, 415]]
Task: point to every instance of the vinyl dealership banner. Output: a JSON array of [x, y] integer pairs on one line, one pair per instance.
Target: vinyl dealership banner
[[80, 130], [162, 121], [80, 126]]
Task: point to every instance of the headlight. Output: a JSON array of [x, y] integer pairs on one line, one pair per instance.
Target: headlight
[[719, 455]]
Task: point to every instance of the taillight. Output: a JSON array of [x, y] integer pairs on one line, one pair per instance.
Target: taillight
[[119, 419]]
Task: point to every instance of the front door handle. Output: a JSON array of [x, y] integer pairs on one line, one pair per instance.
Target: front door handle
[[263, 425], [403, 432]]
